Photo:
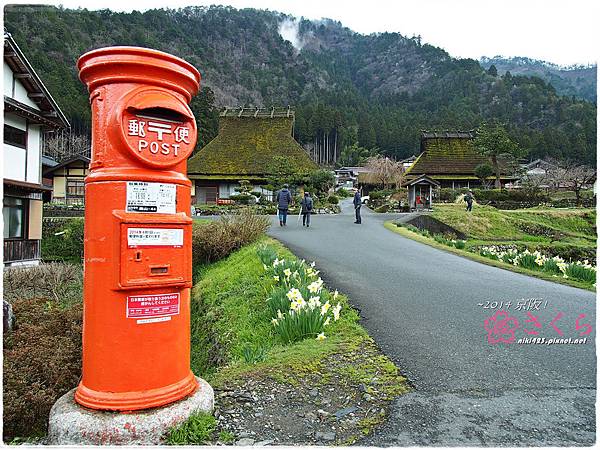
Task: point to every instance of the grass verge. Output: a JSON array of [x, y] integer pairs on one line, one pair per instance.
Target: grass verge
[[235, 348], [482, 259]]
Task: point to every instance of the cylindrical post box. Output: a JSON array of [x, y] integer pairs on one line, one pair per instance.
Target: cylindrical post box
[[138, 265]]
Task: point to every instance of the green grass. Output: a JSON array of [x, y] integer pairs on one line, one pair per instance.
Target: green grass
[[566, 232], [482, 259], [233, 338], [198, 429], [574, 225], [229, 308]]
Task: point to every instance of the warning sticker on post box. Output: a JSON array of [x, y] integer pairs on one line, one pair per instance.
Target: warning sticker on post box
[[154, 237], [151, 197], [152, 306]]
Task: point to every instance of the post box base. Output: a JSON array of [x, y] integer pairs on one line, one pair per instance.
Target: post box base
[[131, 401], [73, 424]]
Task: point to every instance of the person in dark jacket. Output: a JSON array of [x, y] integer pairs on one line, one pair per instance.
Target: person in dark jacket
[[307, 206], [284, 199], [357, 204], [469, 199]]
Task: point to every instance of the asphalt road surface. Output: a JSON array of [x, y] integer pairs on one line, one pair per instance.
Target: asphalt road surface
[[426, 310]]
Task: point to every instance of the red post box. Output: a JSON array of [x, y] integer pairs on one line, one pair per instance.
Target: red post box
[[138, 265]]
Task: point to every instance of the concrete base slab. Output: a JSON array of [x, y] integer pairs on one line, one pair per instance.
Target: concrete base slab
[[72, 424]]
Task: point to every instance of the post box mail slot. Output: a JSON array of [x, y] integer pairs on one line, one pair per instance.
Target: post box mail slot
[[155, 251], [158, 127]]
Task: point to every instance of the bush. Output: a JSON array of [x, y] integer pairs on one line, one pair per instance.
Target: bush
[[61, 282], [460, 244], [333, 199], [244, 199], [62, 239], [510, 199], [343, 193], [449, 195], [379, 195], [215, 240], [42, 361]]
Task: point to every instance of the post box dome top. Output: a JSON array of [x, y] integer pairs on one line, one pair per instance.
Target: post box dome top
[[138, 65]]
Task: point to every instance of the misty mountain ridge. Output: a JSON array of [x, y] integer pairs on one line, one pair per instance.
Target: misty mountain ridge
[[378, 90], [576, 79]]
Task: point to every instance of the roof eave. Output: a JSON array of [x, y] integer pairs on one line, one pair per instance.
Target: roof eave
[[38, 81]]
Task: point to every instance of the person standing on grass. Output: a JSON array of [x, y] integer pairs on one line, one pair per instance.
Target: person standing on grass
[[357, 204], [284, 199], [307, 206], [469, 200]]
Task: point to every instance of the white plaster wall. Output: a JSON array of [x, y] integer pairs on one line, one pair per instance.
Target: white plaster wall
[[14, 162], [21, 95], [8, 80], [34, 158], [14, 157]]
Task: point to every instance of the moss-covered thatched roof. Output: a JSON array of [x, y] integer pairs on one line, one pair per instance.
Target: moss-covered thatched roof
[[247, 146], [447, 155]]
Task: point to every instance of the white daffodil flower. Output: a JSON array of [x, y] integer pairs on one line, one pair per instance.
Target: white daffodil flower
[[321, 337], [293, 294], [336, 311]]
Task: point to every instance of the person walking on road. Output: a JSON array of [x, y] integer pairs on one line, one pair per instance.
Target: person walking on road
[[307, 206], [469, 200], [284, 199], [357, 204]]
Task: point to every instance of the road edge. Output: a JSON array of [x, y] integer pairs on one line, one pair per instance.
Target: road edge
[[390, 225]]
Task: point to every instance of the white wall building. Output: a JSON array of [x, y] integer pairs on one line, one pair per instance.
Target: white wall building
[[29, 110]]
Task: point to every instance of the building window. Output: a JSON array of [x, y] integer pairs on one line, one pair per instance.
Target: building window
[[75, 188], [14, 136], [14, 213]]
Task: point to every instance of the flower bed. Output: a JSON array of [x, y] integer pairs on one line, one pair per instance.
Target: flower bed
[[555, 265], [294, 317], [583, 271]]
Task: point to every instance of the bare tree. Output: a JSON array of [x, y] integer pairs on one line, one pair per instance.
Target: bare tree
[[63, 145], [385, 171], [572, 175]]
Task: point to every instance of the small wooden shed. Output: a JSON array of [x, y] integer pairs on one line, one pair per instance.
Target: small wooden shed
[[420, 192]]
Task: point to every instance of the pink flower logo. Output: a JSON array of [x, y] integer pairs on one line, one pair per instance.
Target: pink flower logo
[[501, 327]]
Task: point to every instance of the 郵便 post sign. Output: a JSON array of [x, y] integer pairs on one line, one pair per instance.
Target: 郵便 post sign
[[158, 128]]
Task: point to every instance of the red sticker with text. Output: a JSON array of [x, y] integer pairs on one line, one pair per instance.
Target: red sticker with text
[[148, 306]]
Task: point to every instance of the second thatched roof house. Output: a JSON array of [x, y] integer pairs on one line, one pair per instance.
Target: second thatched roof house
[[246, 148], [450, 158]]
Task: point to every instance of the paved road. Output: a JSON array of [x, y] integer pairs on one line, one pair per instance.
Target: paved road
[[420, 304]]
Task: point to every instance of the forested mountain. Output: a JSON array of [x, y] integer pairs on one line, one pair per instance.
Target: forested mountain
[[579, 81], [378, 90]]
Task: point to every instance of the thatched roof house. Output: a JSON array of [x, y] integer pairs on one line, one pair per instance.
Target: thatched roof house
[[449, 158], [246, 148]]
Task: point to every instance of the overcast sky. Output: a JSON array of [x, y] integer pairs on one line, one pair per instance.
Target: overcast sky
[[559, 31]]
